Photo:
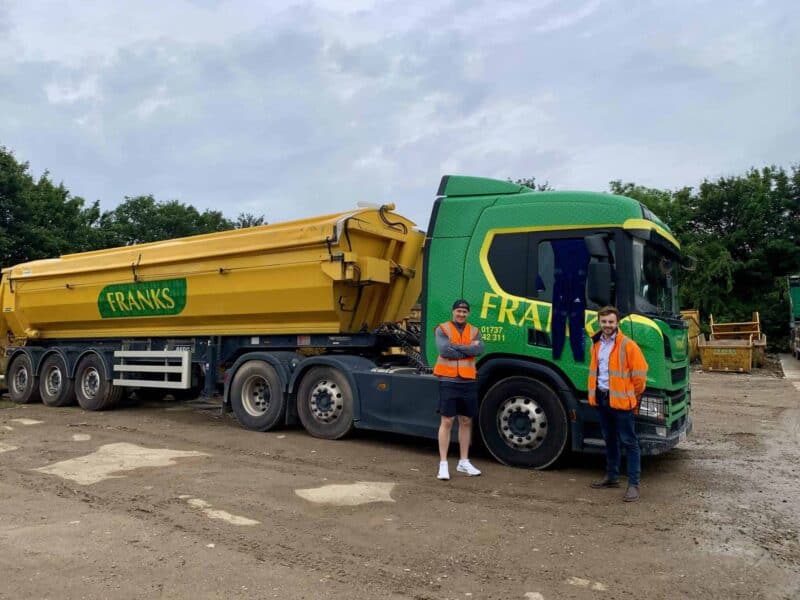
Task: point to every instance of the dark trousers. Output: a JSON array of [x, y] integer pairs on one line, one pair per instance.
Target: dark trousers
[[572, 312], [618, 426], [570, 258]]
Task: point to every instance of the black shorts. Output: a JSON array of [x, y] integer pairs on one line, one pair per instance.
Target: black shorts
[[458, 398]]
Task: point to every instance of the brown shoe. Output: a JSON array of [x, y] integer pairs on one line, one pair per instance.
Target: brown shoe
[[631, 494], [605, 482]]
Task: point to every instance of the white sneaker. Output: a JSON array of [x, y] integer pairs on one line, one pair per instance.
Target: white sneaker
[[464, 466], [444, 471]]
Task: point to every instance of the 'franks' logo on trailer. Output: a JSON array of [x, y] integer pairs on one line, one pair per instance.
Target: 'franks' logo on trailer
[[142, 299]]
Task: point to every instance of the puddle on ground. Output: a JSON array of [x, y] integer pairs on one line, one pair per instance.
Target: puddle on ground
[[6, 447], [27, 421], [220, 515], [362, 492], [114, 458], [81, 437]]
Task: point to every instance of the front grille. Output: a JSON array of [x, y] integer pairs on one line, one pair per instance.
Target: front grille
[[679, 374], [676, 396], [678, 423]]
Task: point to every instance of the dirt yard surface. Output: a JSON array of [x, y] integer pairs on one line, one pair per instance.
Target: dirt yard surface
[[176, 501]]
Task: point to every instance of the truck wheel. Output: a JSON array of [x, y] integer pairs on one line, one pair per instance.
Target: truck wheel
[[523, 423], [23, 387], [325, 403], [55, 386], [257, 397], [93, 389]]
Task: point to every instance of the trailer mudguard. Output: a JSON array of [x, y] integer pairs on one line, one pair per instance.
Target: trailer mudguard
[[70, 356], [105, 354], [284, 362], [35, 354], [346, 364]]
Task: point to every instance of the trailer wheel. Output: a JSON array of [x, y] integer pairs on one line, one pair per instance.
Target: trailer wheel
[[325, 403], [23, 387], [93, 389], [55, 386], [257, 396], [523, 423]]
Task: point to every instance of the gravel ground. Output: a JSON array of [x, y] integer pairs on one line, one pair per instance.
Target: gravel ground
[[176, 501]]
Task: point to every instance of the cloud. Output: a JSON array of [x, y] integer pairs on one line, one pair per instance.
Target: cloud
[[71, 92], [568, 19], [299, 108]]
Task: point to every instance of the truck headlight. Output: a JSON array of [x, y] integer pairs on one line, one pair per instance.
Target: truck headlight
[[652, 407]]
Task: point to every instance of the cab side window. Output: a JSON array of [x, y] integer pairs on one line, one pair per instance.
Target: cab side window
[[524, 264], [508, 260], [546, 270], [545, 276]]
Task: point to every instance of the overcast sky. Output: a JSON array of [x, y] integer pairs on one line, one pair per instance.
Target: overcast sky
[[291, 109]]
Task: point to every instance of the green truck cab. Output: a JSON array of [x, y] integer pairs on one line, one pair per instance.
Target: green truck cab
[[502, 246]]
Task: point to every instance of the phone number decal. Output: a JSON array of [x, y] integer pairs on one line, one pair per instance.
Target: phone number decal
[[491, 333]]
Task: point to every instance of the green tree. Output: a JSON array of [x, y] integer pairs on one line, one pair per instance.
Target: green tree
[[143, 219], [531, 183], [674, 208], [248, 220], [39, 219], [744, 232]]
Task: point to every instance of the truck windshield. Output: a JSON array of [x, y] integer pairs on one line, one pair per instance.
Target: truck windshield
[[654, 279]]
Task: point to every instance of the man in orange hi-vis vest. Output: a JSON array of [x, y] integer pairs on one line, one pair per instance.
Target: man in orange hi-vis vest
[[617, 378], [458, 343]]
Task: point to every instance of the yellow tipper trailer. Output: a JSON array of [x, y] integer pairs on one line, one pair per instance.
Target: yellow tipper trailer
[[339, 273]]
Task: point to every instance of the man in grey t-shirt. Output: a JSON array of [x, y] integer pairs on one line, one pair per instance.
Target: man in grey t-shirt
[[458, 343]]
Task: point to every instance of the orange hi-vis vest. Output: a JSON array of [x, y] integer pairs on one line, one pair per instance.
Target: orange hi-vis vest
[[462, 367], [627, 373]]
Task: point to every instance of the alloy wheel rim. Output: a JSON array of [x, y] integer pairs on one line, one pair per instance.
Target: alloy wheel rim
[[522, 423], [90, 382], [256, 395], [326, 401], [53, 381]]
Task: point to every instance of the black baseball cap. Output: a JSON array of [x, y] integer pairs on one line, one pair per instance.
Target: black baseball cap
[[461, 303]]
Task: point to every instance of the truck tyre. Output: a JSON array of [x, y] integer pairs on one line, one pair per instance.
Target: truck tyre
[[523, 423], [23, 387], [257, 396], [325, 403], [93, 389], [55, 386]]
